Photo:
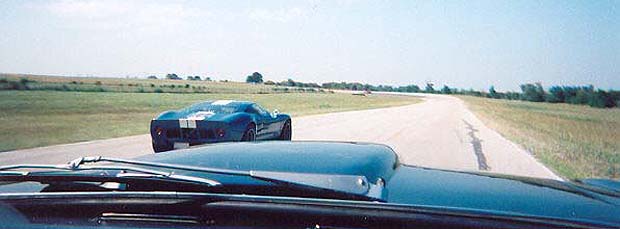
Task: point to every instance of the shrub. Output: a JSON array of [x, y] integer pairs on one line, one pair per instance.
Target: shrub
[[556, 95], [158, 90], [98, 83], [24, 81], [15, 85], [533, 92], [601, 99]]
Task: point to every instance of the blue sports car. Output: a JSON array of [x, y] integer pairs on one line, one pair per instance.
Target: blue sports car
[[218, 121]]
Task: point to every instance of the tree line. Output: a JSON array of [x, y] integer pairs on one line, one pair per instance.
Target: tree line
[[174, 76], [533, 92]]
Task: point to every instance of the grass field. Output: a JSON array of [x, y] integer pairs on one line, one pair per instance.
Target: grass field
[[40, 118], [576, 141], [100, 84]]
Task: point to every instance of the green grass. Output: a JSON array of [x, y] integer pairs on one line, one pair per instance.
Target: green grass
[[574, 140], [41, 118]]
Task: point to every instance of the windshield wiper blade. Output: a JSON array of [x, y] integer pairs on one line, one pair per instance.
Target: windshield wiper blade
[[145, 173], [348, 184], [84, 160]]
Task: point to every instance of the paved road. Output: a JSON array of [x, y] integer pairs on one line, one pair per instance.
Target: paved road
[[439, 132]]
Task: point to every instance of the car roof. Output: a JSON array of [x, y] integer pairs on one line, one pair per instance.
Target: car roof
[[234, 103], [228, 102]]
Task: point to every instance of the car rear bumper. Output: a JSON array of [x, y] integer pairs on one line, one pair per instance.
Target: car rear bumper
[[165, 133]]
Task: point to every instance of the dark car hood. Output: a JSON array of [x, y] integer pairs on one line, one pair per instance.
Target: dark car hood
[[407, 184], [501, 193], [370, 160]]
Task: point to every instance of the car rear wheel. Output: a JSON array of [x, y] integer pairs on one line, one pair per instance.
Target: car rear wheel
[[250, 134], [287, 131]]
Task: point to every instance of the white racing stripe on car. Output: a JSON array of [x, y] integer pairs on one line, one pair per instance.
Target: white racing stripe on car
[[191, 123], [222, 102], [187, 123]]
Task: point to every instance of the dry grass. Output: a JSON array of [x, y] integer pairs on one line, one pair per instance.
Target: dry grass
[[576, 141], [40, 118]]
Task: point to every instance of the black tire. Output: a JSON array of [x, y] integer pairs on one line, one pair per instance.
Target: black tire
[[159, 149], [287, 131], [250, 134]]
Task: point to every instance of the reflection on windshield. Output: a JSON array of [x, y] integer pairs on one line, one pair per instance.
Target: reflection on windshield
[[216, 109]]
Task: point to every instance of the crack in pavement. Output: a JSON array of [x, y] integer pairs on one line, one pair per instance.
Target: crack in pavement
[[477, 144]]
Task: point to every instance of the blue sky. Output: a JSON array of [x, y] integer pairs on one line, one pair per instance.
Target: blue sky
[[466, 44]]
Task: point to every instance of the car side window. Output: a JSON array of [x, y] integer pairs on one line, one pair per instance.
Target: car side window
[[251, 109], [261, 110], [254, 109]]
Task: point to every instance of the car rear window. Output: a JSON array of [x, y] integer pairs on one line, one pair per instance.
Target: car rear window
[[215, 108]]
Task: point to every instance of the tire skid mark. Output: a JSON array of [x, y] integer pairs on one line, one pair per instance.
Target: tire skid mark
[[477, 144]]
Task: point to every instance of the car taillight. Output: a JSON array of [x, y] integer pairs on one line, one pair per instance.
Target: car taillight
[[220, 132], [159, 131]]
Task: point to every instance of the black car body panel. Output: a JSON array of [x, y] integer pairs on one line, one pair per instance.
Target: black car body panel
[[410, 185], [417, 190]]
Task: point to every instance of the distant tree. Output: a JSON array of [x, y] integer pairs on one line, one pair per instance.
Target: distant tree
[[409, 88], [172, 76], [493, 93], [513, 95], [601, 99], [577, 95], [269, 82], [471, 92], [207, 79], [289, 82], [533, 92], [254, 78], [615, 95], [429, 88], [197, 78], [152, 77], [555, 95], [446, 90]]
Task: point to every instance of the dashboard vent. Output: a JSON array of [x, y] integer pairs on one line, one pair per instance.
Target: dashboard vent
[[122, 218]]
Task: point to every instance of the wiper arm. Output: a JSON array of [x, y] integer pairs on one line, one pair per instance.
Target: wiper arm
[[84, 160], [141, 172], [349, 184]]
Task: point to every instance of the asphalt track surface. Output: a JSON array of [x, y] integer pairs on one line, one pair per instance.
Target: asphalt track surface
[[438, 133]]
